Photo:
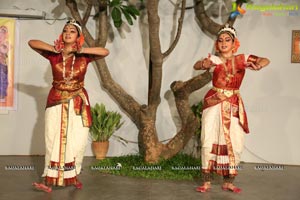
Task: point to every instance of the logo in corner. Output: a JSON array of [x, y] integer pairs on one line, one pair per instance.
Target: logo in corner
[[236, 10]]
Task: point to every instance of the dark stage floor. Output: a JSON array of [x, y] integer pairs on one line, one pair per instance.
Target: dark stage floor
[[276, 184]]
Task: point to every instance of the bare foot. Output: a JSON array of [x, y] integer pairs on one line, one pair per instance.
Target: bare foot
[[78, 185], [204, 188], [230, 187], [42, 187]]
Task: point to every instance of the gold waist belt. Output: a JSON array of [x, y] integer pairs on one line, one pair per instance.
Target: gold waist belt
[[67, 94], [226, 92]]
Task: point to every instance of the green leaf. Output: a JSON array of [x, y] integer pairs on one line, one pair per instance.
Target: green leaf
[[132, 11], [104, 123], [127, 16], [114, 3], [117, 24], [116, 16]]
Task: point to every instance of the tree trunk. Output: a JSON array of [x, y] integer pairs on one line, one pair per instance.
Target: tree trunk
[[144, 116]]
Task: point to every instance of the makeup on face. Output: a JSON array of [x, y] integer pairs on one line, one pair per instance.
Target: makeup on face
[[226, 37], [225, 42], [70, 29], [70, 33]]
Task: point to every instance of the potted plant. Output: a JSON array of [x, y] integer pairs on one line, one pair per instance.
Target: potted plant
[[104, 124]]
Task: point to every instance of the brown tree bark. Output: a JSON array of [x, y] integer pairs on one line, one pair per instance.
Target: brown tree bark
[[144, 116], [207, 23]]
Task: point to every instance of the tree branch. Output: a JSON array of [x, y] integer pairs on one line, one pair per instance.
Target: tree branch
[[189, 122], [208, 24], [87, 12], [155, 54], [72, 5], [125, 101], [179, 28], [102, 34]]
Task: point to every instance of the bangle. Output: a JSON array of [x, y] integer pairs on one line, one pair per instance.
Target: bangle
[[252, 58]]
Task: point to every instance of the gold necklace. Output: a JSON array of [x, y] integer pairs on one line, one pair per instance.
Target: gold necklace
[[68, 79], [229, 75]]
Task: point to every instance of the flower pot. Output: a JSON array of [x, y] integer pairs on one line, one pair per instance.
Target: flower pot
[[100, 149]]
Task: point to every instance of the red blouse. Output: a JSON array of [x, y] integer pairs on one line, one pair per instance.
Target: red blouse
[[62, 91], [79, 70], [233, 83], [229, 78]]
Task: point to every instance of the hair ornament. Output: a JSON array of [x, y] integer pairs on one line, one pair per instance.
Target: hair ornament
[[228, 28], [76, 24]]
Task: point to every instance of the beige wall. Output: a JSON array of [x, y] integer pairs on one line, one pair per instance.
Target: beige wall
[[271, 95]]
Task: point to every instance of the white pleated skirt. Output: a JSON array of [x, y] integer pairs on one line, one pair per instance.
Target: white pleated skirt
[[213, 139], [65, 136]]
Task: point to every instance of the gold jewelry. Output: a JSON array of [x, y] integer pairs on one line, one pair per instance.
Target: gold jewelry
[[226, 92], [74, 22], [228, 28], [233, 72], [68, 79]]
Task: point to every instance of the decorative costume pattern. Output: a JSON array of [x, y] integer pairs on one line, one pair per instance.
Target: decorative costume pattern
[[224, 120], [67, 118]]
